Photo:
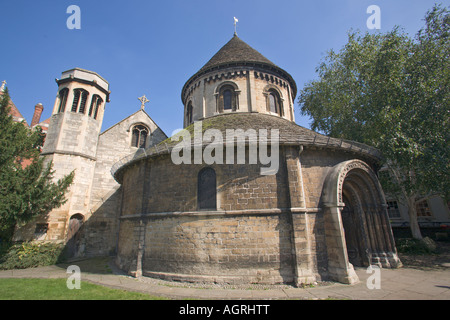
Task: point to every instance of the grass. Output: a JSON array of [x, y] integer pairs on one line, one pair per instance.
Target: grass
[[56, 289]]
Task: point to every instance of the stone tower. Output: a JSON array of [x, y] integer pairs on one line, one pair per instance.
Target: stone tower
[[71, 144], [238, 79]]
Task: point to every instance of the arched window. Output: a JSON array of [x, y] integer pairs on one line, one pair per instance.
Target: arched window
[[79, 100], [63, 94], [96, 102], [139, 136], [274, 104], [206, 189], [189, 111], [227, 98]]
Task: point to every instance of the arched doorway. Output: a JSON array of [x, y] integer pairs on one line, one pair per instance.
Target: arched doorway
[[358, 232], [73, 235]]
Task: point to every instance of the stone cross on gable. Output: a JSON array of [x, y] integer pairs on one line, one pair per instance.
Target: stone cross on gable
[[2, 88], [143, 101]]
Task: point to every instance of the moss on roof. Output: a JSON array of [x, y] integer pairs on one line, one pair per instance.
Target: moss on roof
[[289, 134]]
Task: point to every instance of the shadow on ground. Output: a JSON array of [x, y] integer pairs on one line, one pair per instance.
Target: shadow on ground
[[428, 261], [96, 265]]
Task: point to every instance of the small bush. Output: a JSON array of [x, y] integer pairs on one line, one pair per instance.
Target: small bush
[[413, 246], [31, 254]]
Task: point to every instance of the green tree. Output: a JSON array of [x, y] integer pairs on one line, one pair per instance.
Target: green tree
[[392, 92], [26, 185]]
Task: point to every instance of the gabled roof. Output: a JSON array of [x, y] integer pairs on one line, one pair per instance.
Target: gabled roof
[[131, 115]]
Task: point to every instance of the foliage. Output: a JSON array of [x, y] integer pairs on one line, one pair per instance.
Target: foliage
[[391, 92], [31, 254], [413, 246], [26, 185]]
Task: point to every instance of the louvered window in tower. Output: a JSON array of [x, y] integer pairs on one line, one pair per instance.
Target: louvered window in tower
[[63, 99], [96, 102], [76, 99], [79, 100], [84, 96]]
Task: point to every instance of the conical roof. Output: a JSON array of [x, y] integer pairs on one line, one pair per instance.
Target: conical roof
[[238, 53], [234, 51]]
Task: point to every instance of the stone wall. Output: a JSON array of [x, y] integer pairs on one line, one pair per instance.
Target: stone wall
[[224, 249], [254, 235], [266, 229], [101, 227], [251, 84]]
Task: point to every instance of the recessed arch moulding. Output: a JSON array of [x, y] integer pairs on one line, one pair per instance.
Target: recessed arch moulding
[[355, 182]]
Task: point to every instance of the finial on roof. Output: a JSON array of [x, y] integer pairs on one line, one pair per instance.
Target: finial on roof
[[235, 22], [143, 101], [2, 88]]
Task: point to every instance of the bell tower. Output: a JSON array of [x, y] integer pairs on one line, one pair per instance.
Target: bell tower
[[71, 142]]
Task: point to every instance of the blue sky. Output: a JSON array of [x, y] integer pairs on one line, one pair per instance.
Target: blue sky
[[153, 47]]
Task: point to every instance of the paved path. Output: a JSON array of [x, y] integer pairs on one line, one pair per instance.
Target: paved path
[[395, 284]]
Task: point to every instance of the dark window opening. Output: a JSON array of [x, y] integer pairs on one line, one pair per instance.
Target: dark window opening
[[207, 193], [422, 208], [79, 100], [274, 103], [139, 136], [63, 94], [393, 210], [189, 112], [95, 105], [76, 98], [227, 99], [41, 228], [84, 96], [227, 96]]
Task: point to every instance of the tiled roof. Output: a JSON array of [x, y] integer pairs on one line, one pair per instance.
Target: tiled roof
[[236, 50], [238, 53], [289, 134], [14, 112]]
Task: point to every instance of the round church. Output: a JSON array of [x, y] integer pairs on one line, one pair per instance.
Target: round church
[[245, 195]]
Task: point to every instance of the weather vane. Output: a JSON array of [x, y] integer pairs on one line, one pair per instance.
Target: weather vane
[[235, 22], [143, 101]]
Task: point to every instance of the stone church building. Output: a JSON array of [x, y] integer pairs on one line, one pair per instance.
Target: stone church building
[[318, 215]]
